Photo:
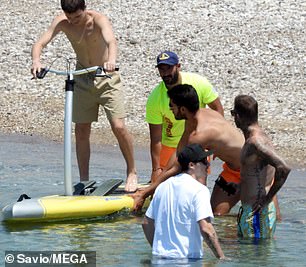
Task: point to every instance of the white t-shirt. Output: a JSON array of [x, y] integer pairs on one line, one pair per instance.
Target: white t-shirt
[[177, 206]]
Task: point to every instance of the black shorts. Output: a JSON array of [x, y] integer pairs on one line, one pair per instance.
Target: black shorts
[[228, 187]]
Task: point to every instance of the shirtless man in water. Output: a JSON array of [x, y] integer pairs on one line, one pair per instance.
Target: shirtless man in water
[[91, 36], [263, 173], [209, 129]]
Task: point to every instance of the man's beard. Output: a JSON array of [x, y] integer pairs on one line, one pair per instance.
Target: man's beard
[[170, 80], [179, 116]]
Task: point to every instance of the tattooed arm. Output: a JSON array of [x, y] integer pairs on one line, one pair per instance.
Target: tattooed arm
[[210, 236], [269, 156]]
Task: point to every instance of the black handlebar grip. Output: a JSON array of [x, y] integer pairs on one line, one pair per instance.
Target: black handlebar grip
[[101, 72], [42, 73]]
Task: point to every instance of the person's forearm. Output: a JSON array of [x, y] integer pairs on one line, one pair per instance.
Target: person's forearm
[[210, 236], [155, 155], [174, 170], [213, 243], [148, 191], [217, 106], [149, 236], [155, 144], [280, 178], [36, 51], [148, 229], [112, 51]]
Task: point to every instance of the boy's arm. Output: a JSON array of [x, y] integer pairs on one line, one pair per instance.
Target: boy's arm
[[42, 42], [141, 194], [210, 237], [110, 39], [148, 229]]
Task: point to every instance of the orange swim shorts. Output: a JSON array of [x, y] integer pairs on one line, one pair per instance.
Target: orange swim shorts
[[230, 175], [165, 154]]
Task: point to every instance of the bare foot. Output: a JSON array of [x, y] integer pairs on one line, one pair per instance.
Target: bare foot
[[131, 183]]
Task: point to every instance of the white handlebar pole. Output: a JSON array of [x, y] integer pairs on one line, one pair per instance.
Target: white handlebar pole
[[75, 72], [68, 125], [67, 141]]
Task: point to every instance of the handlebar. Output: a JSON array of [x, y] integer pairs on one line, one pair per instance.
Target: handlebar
[[99, 72]]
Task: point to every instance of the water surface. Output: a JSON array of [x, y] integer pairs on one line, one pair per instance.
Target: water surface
[[34, 166]]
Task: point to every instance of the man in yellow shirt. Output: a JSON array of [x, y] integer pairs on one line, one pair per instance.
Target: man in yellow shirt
[[165, 130]]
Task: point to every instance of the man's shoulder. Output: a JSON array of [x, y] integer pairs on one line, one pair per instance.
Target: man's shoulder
[[187, 179], [97, 15], [160, 87], [60, 22], [176, 178], [253, 147], [158, 91], [200, 83], [60, 18], [94, 13], [193, 76], [192, 186], [258, 137]]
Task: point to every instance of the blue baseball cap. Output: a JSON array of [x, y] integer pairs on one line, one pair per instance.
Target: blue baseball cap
[[168, 58]]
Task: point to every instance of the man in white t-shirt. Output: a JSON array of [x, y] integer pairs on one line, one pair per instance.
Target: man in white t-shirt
[[180, 214]]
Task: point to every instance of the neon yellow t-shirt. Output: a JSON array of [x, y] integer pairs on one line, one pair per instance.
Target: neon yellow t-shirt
[[158, 111]]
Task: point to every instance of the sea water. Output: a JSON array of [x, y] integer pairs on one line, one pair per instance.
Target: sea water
[[33, 166]]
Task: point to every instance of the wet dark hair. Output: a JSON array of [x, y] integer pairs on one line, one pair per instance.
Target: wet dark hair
[[246, 107], [71, 6], [184, 95]]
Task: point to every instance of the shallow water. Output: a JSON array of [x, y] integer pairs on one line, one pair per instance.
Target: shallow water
[[34, 166]]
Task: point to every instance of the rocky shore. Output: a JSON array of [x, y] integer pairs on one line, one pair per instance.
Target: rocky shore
[[251, 47]]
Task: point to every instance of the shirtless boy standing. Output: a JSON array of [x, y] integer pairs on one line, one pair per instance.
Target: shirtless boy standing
[[91, 36], [262, 171]]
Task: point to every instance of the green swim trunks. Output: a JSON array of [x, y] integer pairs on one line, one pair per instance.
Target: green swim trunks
[[257, 225]]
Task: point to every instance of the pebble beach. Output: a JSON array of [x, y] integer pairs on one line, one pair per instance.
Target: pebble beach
[[250, 47]]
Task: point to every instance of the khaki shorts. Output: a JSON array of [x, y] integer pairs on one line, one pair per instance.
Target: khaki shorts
[[90, 92]]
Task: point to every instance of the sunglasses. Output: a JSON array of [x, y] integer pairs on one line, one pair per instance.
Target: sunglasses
[[205, 162]]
